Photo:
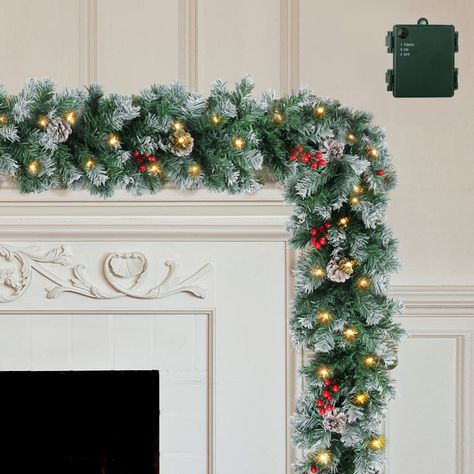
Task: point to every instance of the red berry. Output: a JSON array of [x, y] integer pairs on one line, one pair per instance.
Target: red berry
[[327, 225], [293, 157], [325, 394], [142, 168], [139, 160], [136, 154], [380, 172], [314, 469], [319, 403], [314, 165], [329, 407], [314, 240], [299, 148], [314, 231], [146, 155], [317, 245], [322, 241], [305, 158], [322, 411], [335, 388], [152, 158], [322, 162], [327, 382], [329, 397], [318, 155]]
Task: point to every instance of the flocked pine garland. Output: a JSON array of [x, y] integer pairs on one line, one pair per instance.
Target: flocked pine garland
[[336, 172]]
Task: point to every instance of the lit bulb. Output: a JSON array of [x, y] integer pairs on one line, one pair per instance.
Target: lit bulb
[[178, 125], [3, 120], [372, 153], [363, 283], [278, 118], [323, 458], [354, 200], [70, 117], [42, 121], [358, 189], [194, 170], [113, 140], [34, 167], [238, 142], [350, 138], [324, 317], [344, 221], [317, 272], [216, 119], [154, 169], [360, 398], [323, 372], [377, 443], [319, 111], [370, 360], [347, 266], [350, 333], [90, 164]]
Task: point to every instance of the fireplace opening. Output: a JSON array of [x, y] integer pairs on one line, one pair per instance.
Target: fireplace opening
[[79, 422]]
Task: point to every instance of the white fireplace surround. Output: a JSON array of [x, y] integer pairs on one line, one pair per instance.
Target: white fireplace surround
[[216, 328]]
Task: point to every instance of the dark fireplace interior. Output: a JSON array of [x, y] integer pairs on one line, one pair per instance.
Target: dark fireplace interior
[[79, 422]]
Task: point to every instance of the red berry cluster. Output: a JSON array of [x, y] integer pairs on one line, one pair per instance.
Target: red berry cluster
[[324, 403], [141, 159], [319, 236], [315, 160]]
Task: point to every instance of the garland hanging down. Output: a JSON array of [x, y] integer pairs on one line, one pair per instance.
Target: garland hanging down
[[336, 173]]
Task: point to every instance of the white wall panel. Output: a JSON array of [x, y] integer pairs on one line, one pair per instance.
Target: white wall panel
[[137, 43], [40, 39], [238, 38]]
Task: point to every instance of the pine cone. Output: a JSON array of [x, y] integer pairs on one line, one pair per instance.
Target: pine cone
[[338, 269], [335, 421], [181, 143], [58, 129], [334, 149]]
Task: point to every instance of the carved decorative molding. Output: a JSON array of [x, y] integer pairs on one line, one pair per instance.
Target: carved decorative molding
[[124, 273]]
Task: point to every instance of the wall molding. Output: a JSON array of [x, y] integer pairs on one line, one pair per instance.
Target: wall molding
[[88, 42], [289, 46], [187, 43]]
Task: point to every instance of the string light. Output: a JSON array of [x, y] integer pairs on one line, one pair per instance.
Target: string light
[[34, 167], [70, 117], [370, 360], [178, 125], [319, 111], [363, 283], [154, 169], [358, 189], [324, 372], [372, 153], [194, 170], [4, 120], [113, 140], [360, 398], [238, 142], [323, 457], [377, 443], [278, 118], [350, 138], [317, 272], [350, 334], [354, 200], [216, 119], [89, 164], [344, 221], [42, 121], [324, 317]]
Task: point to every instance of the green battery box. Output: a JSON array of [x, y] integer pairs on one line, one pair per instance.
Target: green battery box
[[423, 60]]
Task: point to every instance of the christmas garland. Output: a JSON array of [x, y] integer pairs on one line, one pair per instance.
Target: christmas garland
[[336, 173]]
